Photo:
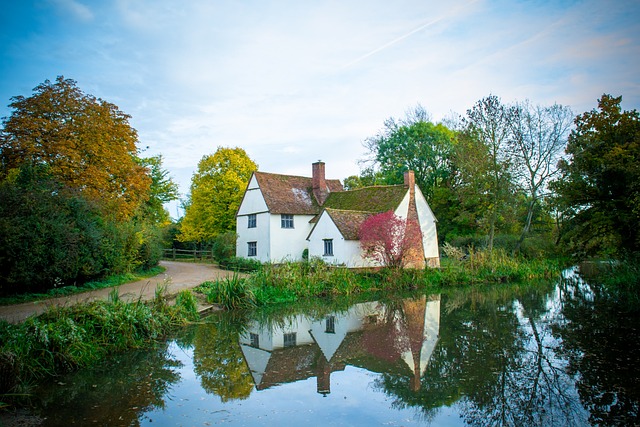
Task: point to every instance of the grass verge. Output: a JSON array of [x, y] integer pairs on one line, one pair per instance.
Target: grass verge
[[290, 282], [64, 339], [115, 280]]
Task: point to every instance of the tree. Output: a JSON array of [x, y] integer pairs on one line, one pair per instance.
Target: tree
[[488, 123], [86, 143], [598, 192], [216, 192], [416, 144], [161, 190], [538, 138], [389, 239]]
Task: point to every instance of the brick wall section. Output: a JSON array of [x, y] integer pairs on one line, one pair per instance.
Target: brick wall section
[[414, 257]]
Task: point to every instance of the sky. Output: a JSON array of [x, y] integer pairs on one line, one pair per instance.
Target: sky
[[294, 82]]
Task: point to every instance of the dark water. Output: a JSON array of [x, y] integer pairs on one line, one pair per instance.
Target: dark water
[[546, 355]]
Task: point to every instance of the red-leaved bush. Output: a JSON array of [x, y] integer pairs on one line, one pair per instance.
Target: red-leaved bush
[[387, 238]]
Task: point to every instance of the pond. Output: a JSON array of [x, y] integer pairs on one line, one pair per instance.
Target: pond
[[534, 355]]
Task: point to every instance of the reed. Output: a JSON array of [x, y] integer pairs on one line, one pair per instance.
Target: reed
[[64, 339]]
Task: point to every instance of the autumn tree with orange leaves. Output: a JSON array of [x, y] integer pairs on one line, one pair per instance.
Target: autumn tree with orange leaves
[[85, 142], [77, 202]]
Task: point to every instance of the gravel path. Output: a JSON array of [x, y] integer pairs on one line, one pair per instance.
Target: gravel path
[[177, 276]]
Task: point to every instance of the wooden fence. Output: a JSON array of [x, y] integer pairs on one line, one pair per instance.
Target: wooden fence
[[187, 254]]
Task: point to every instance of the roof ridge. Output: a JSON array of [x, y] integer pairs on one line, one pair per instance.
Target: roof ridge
[[348, 210], [292, 176]]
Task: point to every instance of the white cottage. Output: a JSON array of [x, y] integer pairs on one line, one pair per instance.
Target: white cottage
[[273, 220], [334, 237], [282, 215]]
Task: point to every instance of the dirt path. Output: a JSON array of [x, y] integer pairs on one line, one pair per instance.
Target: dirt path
[[177, 276]]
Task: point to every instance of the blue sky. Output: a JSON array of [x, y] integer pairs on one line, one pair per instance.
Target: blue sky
[[293, 82]]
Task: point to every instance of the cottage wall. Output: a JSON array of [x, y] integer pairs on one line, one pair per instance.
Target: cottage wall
[[287, 244], [345, 252], [429, 232]]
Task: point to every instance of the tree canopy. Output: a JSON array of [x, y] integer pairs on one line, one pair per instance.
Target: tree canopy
[[598, 192], [217, 188], [86, 143]]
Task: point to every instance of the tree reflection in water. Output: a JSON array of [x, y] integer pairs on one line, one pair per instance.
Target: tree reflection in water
[[536, 355]]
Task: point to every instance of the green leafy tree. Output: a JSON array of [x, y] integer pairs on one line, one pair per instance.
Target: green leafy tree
[[86, 142], [161, 190], [417, 144], [598, 193], [216, 192], [488, 123]]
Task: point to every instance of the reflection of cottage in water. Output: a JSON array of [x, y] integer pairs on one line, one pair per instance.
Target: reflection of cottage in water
[[402, 336]]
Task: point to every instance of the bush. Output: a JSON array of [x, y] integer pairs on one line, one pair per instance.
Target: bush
[[224, 246]]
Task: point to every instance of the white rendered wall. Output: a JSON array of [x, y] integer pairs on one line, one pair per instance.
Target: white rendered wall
[[287, 244], [253, 203], [345, 252], [427, 225]]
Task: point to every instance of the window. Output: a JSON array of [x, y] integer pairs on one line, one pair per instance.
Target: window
[[251, 221], [286, 221], [328, 247], [330, 325], [254, 340], [252, 248], [290, 339]]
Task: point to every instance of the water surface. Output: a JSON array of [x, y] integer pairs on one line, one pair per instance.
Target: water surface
[[534, 355]]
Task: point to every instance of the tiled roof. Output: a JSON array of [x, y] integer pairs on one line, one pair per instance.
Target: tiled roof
[[289, 194], [348, 222], [368, 199]]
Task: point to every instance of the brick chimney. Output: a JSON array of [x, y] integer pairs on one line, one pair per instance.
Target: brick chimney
[[320, 190], [409, 180]]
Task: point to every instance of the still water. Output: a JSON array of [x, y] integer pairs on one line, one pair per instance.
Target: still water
[[558, 354]]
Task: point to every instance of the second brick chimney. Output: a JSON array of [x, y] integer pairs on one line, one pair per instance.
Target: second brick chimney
[[320, 190]]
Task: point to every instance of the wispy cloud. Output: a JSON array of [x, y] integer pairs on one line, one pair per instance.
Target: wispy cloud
[[421, 27]]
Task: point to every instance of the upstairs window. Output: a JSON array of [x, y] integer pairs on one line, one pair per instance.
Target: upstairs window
[[328, 247], [252, 248], [286, 221], [251, 221]]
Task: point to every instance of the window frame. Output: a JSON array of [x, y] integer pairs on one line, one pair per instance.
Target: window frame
[[328, 244], [252, 249], [252, 221], [286, 221]]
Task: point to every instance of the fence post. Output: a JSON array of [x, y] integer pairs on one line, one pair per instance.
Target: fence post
[[174, 254]]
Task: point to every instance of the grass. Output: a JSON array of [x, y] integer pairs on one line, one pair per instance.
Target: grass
[[114, 280], [291, 282], [64, 339]]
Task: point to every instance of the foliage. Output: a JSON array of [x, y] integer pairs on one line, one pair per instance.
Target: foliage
[[240, 264], [414, 144], [107, 282], [64, 339], [487, 122], [231, 293], [86, 142], [224, 246], [216, 192], [161, 190], [78, 204], [599, 190], [538, 137], [387, 239]]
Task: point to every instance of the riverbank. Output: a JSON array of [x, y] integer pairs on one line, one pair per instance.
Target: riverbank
[[177, 276], [290, 282]]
